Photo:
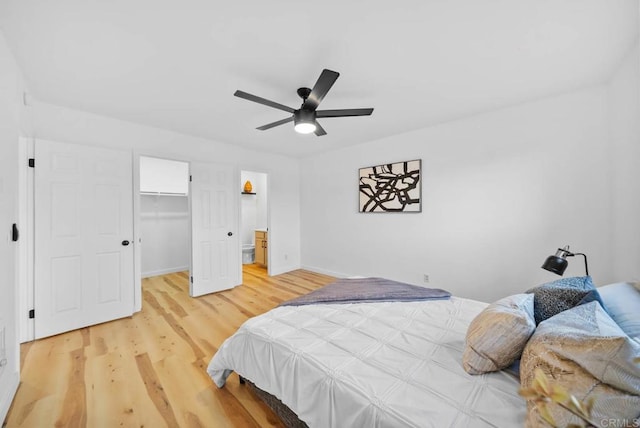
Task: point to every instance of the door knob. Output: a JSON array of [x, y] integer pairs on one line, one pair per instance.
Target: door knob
[[125, 242], [230, 234]]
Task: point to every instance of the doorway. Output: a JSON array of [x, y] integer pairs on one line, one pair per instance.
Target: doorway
[[164, 216], [189, 222], [254, 221]]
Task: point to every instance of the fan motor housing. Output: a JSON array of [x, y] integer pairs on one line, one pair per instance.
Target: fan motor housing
[[303, 115], [304, 93]]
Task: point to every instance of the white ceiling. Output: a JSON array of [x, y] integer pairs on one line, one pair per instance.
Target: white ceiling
[[176, 64]]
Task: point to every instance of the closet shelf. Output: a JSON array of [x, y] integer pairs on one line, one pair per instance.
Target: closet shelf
[[162, 194], [161, 215]]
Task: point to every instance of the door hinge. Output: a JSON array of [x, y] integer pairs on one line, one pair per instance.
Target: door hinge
[[191, 178], [32, 313], [191, 279], [15, 234], [32, 163]]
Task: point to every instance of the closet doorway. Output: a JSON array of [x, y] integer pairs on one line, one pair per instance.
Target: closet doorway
[[254, 220], [189, 222], [164, 216]]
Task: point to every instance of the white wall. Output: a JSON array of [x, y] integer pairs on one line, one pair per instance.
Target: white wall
[[165, 232], [163, 176], [624, 109], [72, 126], [12, 122], [501, 192]]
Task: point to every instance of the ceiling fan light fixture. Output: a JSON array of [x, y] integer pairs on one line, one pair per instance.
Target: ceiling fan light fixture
[[305, 128], [305, 121]]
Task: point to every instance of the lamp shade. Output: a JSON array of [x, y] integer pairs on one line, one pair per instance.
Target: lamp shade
[[558, 262], [555, 264]]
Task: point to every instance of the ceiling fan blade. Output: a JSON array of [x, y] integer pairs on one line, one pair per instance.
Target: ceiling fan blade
[[319, 130], [260, 100], [273, 124], [320, 89], [344, 112]]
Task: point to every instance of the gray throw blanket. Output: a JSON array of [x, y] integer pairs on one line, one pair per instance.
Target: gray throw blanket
[[368, 290]]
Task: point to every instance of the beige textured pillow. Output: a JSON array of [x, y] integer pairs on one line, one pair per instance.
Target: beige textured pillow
[[497, 336], [585, 351]]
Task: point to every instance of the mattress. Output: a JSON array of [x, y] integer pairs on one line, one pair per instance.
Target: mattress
[[392, 364]]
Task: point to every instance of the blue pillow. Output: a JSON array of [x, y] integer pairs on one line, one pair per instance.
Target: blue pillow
[[622, 302], [554, 297]]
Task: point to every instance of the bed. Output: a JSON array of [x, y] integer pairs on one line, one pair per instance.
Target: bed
[[407, 364], [389, 364]]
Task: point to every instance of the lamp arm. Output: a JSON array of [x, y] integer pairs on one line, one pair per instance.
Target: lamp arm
[[586, 266]]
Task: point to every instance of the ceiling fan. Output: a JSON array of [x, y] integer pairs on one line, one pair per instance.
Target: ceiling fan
[[305, 117]]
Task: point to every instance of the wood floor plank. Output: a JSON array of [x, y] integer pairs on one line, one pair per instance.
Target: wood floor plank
[[149, 370], [155, 390], [73, 407], [117, 395]]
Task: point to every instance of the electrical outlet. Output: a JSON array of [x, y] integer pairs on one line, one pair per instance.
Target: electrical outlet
[[286, 256], [425, 278]]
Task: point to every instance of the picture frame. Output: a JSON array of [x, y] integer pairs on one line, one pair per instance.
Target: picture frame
[[391, 187]]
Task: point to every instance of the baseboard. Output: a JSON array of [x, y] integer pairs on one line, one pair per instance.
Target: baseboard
[[164, 271], [325, 271], [13, 380], [283, 269]]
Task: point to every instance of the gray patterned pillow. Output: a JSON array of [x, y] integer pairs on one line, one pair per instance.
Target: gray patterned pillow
[[565, 293]]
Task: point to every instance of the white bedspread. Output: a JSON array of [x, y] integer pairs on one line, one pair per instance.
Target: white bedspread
[[371, 365]]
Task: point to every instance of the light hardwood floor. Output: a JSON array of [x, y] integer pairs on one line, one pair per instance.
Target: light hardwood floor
[[149, 370]]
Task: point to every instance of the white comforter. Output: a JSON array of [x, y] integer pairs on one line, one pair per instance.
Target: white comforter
[[371, 365]]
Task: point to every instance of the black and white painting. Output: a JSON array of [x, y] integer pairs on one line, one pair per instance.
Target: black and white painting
[[392, 187]]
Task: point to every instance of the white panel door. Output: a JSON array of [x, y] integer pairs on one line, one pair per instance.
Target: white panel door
[[215, 245], [9, 349], [83, 236]]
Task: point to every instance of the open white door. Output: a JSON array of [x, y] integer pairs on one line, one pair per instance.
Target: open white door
[[83, 236], [215, 246], [9, 348]]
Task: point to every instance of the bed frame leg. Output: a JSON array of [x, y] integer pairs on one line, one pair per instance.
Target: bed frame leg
[[241, 380]]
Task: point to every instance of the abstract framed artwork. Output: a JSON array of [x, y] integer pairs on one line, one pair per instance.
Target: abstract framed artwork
[[392, 187]]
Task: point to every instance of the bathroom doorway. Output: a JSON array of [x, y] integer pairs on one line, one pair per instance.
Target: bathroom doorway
[[254, 219]]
